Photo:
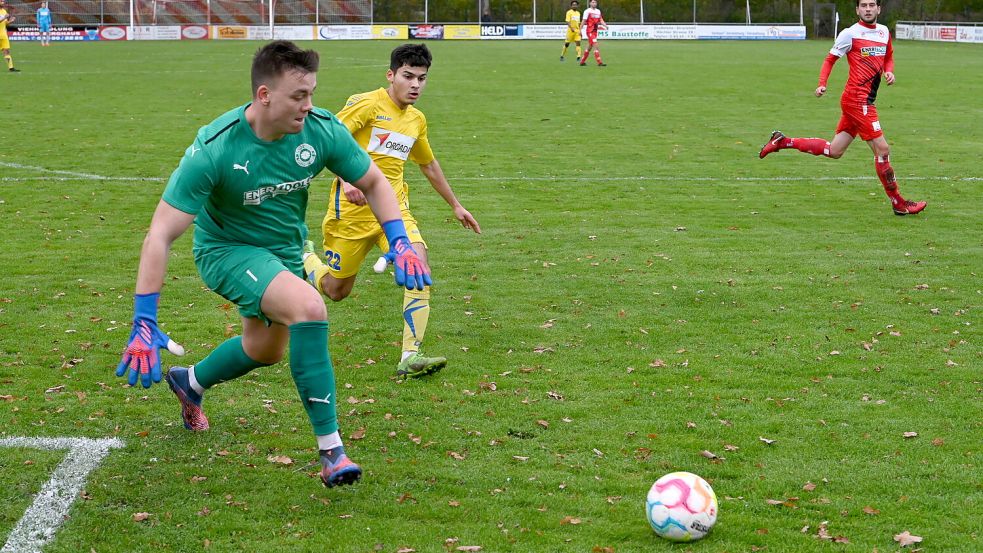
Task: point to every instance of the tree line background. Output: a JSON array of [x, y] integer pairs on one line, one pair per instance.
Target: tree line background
[[668, 11]]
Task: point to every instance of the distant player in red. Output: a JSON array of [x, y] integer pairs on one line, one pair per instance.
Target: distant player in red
[[592, 22], [867, 47]]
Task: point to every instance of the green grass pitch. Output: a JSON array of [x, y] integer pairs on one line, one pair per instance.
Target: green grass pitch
[[645, 289]]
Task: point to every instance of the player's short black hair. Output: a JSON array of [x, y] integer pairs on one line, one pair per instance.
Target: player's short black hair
[[413, 55], [878, 3], [281, 56], [572, 2]]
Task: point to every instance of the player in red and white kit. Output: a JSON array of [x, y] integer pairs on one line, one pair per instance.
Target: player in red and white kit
[[867, 47], [592, 22]]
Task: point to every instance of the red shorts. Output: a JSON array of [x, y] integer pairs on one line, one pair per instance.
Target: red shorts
[[591, 38], [860, 119]]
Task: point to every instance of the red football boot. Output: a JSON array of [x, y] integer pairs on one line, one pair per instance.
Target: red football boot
[[773, 144], [909, 207]]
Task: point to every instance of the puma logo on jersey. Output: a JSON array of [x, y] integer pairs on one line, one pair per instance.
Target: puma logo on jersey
[[243, 168], [390, 143]]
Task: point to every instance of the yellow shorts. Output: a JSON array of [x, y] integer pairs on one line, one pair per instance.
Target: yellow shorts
[[4, 43], [572, 36], [347, 243]]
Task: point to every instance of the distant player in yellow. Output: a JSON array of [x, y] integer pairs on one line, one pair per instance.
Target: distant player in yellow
[[392, 130], [6, 17], [573, 29]]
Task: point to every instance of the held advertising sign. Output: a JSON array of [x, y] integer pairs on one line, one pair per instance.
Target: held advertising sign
[[501, 31]]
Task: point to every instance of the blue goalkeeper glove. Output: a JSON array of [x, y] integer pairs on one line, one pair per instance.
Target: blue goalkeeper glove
[[142, 354], [410, 270]]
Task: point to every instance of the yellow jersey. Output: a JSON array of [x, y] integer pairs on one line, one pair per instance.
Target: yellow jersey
[[573, 21], [3, 23], [391, 136]]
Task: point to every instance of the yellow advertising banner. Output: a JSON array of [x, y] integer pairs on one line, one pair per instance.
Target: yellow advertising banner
[[397, 32], [229, 31], [465, 32]]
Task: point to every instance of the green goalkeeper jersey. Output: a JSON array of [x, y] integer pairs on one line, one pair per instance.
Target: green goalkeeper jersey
[[244, 190]]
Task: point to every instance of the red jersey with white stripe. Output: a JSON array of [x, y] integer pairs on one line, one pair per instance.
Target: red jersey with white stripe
[[592, 18], [868, 50]]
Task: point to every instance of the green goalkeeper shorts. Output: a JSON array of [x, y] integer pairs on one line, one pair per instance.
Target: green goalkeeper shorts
[[241, 273]]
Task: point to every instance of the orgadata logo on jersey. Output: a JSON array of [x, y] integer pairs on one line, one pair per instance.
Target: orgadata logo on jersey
[[304, 155]]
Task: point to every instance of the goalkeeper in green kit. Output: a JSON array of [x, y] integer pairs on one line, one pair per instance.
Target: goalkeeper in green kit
[[244, 182]]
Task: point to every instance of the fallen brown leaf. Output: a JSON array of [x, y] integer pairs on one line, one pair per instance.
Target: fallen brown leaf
[[570, 520], [280, 459], [709, 454], [906, 538], [140, 517]]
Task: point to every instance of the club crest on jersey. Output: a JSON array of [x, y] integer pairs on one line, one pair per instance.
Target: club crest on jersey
[[390, 143], [304, 155]]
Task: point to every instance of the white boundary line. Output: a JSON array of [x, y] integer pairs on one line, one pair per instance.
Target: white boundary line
[[51, 505], [79, 176]]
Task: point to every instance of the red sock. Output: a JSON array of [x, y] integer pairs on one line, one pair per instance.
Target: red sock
[[886, 173], [814, 146], [597, 55], [584, 59]]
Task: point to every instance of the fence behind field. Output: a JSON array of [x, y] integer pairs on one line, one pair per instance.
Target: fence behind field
[[817, 16]]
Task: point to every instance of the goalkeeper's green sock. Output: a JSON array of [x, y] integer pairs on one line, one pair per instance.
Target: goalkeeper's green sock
[[226, 362]]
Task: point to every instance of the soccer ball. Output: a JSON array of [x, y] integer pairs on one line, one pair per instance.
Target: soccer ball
[[681, 506]]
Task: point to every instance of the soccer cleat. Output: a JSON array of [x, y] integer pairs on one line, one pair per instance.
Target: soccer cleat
[[583, 63], [417, 365], [14, 70], [602, 65], [191, 413], [341, 473], [909, 207], [561, 58], [773, 144]]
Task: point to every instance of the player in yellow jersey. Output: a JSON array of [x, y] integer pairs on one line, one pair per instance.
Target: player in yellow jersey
[[573, 29], [392, 130], [5, 18]]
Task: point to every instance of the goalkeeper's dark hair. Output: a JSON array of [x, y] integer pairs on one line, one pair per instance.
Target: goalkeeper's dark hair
[[279, 57], [414, 55]]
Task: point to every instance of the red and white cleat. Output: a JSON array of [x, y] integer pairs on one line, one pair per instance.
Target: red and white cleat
[[909, 207], [773, 145]]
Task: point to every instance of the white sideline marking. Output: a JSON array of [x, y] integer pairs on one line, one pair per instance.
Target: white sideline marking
[[51, 505], [69, 175], [73, 176]]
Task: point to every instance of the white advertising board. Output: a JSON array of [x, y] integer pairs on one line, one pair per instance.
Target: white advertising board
[[344, 32], [750, 32], [156, 32]]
